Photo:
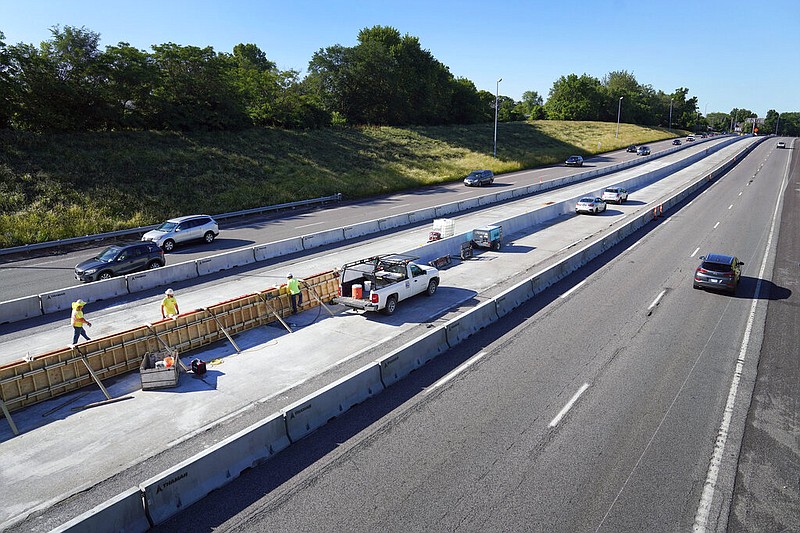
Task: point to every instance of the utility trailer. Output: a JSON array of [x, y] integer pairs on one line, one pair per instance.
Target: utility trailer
[[378, 283]]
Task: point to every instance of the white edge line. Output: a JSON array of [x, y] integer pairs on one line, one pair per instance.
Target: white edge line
[[696, 250], [573, 289], [566, 408], [465, 365], [715, 225]]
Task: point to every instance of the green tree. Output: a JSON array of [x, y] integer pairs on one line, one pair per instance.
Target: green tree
[[7, 87], [195, 90], [575, 98], [129, 78], [531, 106]]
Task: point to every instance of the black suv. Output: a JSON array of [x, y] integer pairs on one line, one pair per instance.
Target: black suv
[[120, 259]]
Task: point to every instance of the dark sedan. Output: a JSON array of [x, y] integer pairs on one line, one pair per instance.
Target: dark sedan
[[121, 259]]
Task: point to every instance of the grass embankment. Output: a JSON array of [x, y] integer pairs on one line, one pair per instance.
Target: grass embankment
[[60, 186]]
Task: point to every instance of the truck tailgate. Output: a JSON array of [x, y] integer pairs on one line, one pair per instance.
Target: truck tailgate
[[355, 303]]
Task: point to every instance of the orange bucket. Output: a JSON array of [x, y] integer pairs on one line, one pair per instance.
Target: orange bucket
[[169, 361], [357, 291]]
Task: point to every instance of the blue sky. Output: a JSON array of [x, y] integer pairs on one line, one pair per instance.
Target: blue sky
[[729, 54]]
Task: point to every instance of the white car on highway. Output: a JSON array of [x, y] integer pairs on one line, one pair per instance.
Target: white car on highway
[[591, 205]]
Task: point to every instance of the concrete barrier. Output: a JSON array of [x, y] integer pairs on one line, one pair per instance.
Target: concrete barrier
[[401, 362], [262, 252], [20, 309], [395, 221], [228, 260], [315, 240], [158, 277], [124, 512], [361, 229], [173, 490], [422, 215], [62, 299], [469, 323], [512, 298], [315, 410]]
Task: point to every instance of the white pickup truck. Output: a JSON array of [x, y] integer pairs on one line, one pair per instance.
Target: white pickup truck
[[379, 283]]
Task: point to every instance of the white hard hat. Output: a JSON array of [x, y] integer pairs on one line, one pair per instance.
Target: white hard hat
[[289, 275], [169, 292], [80, 302]]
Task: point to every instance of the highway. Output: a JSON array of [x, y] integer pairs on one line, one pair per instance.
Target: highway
[[596, 407], [599, 333], [22, 277]]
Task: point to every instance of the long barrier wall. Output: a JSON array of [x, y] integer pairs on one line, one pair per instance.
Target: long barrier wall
[[30, 306], [170, 492], [46, 376]]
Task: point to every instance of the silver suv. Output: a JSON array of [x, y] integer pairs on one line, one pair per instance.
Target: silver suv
[[183, 229]]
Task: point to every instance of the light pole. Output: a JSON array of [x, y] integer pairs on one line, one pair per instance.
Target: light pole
[[777, 123], [619, 111], [496, 100], [670, 114]]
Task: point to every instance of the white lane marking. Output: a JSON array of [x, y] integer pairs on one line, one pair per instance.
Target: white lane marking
[[573, 289], [309, 225], [632, 246], [554, 422], [715, 225], [730, 206], [704, 507], [740, 193], [695, 251], [658, 299], [465, 365], [690, 203], [399, 206]]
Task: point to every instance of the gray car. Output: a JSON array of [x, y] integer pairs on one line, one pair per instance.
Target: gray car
[[120, 259], [718, 272], [183, 229], [479, 178]]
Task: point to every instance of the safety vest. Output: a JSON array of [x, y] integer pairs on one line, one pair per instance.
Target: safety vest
[[170, 305], [294, 286], [77, 318]]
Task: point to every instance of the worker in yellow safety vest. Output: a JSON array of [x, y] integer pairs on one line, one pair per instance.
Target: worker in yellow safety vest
[[294, 292], [169, 305], [78, 321]]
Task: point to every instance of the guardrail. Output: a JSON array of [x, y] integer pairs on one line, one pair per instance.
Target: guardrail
[[144, 229], [160, 497]]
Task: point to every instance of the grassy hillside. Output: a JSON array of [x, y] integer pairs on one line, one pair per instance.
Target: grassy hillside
[[58, 186]]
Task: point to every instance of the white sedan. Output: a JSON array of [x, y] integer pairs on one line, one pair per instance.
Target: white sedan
[[590, 205]]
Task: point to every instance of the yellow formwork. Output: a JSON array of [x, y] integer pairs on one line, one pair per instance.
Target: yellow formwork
[[48, 375]]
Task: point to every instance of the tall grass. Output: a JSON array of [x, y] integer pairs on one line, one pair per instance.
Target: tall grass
[[59, 186]]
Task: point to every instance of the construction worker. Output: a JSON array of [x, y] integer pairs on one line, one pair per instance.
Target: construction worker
[[78, 321], [294, 292], [169, 305]]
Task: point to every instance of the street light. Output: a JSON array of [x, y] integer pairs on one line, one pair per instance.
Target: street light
[[496, 100], [670, 114], [619, 110], [777, 123]]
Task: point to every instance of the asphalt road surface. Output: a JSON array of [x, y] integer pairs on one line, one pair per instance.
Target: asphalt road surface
[[597, 407]]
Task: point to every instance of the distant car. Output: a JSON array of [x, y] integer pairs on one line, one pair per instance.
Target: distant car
[[690, 138], [718, 271], [631, 149], [183, 229], [574, 161], [643, 150], [781, 144], [591, 205], [120, 259], [677, 142], [479, 178], [617, 195], [703, 136]]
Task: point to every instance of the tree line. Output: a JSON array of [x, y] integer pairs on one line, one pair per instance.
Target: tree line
[[68, 83]]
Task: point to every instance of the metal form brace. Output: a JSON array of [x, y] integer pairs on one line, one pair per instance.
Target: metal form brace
[[8, 417], [225, 331], [273, 312], [168, 348]]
